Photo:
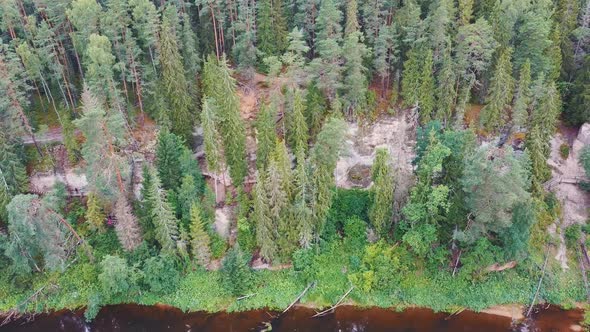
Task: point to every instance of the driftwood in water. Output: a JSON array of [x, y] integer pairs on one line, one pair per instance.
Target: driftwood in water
[[538, 285], [299, 297], [329, 310]]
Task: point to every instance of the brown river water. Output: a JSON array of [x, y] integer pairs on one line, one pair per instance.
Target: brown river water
[[345, 318]]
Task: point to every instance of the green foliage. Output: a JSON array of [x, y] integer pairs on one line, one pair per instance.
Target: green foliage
[[381, 268], [564, 151], [200, 241], [236, 274], [160, 274], [117, 279], [95, 216], [168, 155], [381, 211]]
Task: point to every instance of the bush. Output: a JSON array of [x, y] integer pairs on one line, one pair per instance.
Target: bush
[[218, 245], [160, 274], [355, 231], [117, 279], [246, 236], [573, 233], [564, 150]]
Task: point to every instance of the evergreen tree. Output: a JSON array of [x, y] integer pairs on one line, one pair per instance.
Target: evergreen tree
[[165, 223], [266, 233], [245, 51], [211, 139], [327, 68], [465, 11], [127, 227], [411, 79], [386, 53], [105, 133], [446, 90], [323, 158], [265, 135], [37, 237], [271, 27], [500, 96], [173, 82], [99, 62], [381, 211], [199, 237], [523, 98], [426, 89], [298, 131], [236, 274], [495, 182], [355, 82], [221, 87], [168, 154], [13, 175], [95, 217]]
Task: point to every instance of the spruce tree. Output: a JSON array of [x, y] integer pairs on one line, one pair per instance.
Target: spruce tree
[[245, 51], [446, 88], [199, 238], [165, 223], [323, 158], [220, 86], [426, 89], [411, 79], [13, 175], [298, 131], [381, 211], [523, 98], [265, 135], [327, 68], [95, 217], [355, 81], [500, 96], [212, 140], [266, 232], [173, 82], [236, 274], [168, 154]]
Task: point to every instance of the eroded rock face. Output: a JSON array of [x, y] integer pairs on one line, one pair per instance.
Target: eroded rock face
[[395, 133], [564, 183]]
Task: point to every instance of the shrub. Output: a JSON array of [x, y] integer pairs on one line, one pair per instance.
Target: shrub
[[564, 150], [117, 279], [160, 274]]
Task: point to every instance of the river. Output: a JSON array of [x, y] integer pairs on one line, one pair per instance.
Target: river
[[345, 318]]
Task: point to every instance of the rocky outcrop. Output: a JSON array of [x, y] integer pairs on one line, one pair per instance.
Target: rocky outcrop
[[397, 134], [566, 174]]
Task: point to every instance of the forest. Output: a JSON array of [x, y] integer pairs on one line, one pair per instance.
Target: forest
[[185, 152]]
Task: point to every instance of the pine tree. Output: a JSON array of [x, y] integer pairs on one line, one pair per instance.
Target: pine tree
[[95, 217], [265, 135], [165, 223], [200, 241], [500, 96], [381, 211], [425, 90], [127, 227], [386, 51], [105, 133], [99, 62], [84, 15], [523, 98], [174, 85]]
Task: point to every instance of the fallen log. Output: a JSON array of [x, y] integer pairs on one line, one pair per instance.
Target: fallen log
[[496, 267], [245, 297], [298, 297], [538, 285], [327, 311]]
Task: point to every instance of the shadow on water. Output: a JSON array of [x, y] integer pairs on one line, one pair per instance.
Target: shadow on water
[[345, 318]]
